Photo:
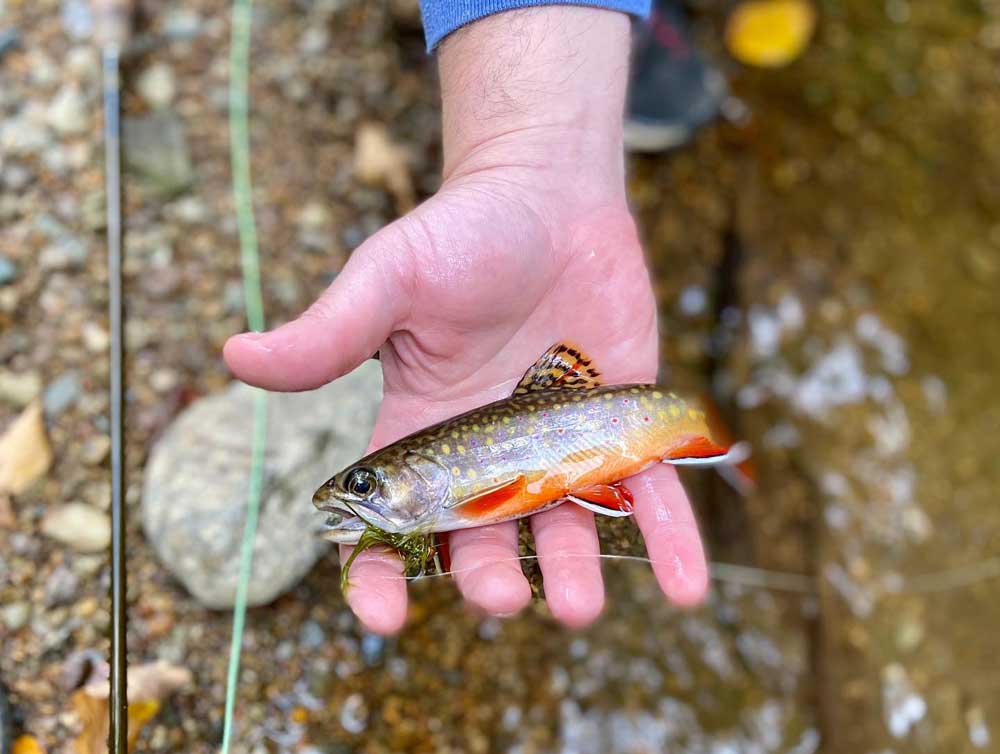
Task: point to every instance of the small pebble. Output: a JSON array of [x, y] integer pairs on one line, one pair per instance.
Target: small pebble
[[163, 380], [82, 63], [372, 648], [19, 389], [61, 394], [61, 587], [95, 337], [68, 253], [181, 23], [156, 85], [311, 635], [78, 525], [96, 449], [8, 40], [68, 112], [15, 615], [8, 271], [77, 18]]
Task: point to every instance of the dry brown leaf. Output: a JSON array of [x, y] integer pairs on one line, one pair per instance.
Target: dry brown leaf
[[25, 454], [379, 161], [148, 686]]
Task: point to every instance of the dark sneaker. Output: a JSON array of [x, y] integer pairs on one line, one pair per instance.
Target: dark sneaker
[[672, 91]]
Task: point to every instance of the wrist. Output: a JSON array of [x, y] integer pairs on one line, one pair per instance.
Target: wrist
[[537, 88]]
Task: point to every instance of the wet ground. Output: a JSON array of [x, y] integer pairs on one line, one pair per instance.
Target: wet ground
[[826, 266]]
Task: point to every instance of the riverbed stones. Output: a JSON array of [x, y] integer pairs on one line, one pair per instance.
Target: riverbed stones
[[194, 497]]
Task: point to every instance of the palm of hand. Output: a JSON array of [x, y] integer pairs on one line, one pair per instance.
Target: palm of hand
[[479, 281]]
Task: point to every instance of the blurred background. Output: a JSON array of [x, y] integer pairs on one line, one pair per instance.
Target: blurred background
[[826, 258]]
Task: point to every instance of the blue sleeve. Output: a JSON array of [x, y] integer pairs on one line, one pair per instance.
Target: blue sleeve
[[442, 17]]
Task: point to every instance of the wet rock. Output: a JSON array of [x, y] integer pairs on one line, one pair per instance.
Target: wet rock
[[78, 525], [61, 394], [19, 388], [194, 496], [156, 150], [68, 112], [156, 85]]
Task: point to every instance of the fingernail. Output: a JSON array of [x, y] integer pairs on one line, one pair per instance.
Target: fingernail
[[254, 340]]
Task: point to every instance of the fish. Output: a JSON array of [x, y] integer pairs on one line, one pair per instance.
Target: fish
[[561, 437]]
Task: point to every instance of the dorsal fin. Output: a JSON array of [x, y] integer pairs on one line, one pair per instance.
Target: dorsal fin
[[564, 365]]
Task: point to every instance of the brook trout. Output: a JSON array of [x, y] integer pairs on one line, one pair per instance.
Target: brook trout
[[561, 437]]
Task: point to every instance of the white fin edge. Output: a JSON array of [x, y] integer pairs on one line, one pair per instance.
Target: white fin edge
[[598, 509], [737, 453]]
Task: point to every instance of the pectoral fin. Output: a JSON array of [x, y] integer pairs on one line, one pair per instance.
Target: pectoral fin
[[489, 501], [604, 499], [564, 365]]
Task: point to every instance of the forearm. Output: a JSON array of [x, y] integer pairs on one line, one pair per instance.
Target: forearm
[[540, 86]]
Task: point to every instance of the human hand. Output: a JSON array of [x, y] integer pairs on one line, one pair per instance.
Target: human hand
[[529, 241]]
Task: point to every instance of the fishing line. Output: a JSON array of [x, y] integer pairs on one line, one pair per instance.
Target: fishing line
[[730, 572], [934, 582], [239, 140]]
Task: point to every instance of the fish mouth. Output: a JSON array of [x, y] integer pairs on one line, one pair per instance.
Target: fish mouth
[[342, 526]]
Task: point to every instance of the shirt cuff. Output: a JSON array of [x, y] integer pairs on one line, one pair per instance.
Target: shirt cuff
[[442, 17]]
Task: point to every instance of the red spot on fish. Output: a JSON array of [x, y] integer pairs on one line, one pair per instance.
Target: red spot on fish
[[614, 419], [645, 418]]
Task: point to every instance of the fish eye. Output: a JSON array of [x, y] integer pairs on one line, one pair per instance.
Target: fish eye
[[360, 482]]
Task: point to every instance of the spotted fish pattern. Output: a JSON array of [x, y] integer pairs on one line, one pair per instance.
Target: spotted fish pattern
[[561, 437]]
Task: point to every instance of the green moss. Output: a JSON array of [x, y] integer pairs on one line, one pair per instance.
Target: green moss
[[416, 551]]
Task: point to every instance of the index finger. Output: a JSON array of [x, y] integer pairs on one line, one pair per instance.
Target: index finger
[[376, 590]]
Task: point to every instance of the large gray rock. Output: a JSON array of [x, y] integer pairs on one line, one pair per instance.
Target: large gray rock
[[194, 498]]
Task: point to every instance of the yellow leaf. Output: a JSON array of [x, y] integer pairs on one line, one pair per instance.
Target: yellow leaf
[[770, 33], [27, 745], [24, 451], [140, 713]]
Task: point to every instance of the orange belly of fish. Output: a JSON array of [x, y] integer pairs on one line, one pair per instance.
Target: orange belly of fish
[[582, 470]]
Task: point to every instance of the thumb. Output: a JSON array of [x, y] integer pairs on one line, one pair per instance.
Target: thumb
[[347, 324]]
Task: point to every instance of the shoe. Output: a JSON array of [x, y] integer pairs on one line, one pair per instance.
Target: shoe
[[673, 91]]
